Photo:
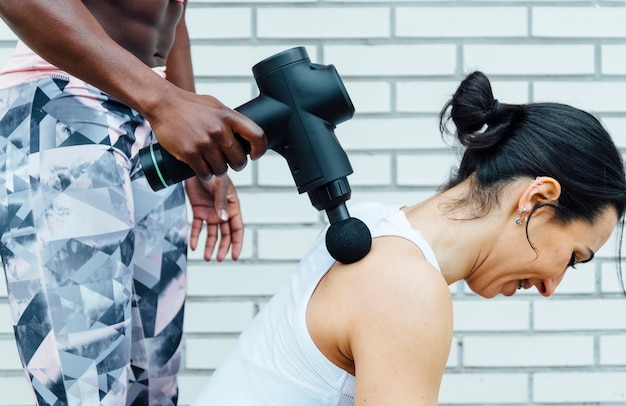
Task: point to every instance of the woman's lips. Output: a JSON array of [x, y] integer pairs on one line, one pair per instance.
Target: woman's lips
[[522, 284]]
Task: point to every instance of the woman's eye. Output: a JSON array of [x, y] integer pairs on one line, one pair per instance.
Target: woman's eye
[[572, 261]]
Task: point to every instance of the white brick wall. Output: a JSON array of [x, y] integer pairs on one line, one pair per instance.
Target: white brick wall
[[400, 61]]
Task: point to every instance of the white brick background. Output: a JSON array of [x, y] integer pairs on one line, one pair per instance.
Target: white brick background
[[400, 61]]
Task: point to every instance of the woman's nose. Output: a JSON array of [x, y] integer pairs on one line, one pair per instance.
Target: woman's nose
[[546, 287]]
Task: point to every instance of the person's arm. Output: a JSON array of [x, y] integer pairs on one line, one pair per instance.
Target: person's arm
[[179, 67], [66, 34], [214, 202], [195, 129], [400, 337]]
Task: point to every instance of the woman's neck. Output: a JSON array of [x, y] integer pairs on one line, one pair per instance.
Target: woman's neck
[[461, 240]]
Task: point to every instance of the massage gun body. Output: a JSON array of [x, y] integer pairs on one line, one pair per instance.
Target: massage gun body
[[298, 108]]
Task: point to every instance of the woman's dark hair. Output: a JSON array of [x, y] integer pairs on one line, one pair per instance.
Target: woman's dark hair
[[504, 142]]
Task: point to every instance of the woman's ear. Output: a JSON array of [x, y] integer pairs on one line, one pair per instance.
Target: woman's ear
[[543, 189], [546, 188]]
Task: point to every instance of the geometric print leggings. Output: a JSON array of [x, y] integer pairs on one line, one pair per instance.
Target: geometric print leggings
[[94, 260]]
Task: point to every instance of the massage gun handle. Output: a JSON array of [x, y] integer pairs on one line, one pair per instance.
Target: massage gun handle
[[162, 169]]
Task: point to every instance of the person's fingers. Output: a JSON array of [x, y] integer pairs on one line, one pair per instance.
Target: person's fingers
[[211, 239], [196, 227], [215, 159], [251, 132], [225, 241], [236, 156], [220, 200], [236, 236]]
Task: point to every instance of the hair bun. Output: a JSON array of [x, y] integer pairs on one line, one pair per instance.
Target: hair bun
[[471, 107]]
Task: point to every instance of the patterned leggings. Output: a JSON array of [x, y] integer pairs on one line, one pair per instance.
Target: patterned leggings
[[94, 260]]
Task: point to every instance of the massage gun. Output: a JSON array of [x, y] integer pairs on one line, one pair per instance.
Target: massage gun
[[298, 107]]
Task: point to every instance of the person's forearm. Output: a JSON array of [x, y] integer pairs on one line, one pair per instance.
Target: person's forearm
[[179, 67], [67, 35]]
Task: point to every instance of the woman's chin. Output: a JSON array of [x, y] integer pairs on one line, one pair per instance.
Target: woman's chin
[[510, 291], [486, 293]]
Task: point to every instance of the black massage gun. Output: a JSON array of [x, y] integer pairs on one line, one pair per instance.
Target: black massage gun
[[298, 107]]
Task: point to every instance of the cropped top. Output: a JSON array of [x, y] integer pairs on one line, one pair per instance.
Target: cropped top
[[24, 66]]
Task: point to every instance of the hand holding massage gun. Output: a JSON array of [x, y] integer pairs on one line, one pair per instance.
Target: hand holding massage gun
[[299, 105]]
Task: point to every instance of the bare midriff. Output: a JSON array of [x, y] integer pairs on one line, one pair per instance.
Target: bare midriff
[[143, 27]]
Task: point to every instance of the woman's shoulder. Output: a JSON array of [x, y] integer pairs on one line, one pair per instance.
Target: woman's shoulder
[[396, 267], [401, 325], [394, 275], [394, 291]]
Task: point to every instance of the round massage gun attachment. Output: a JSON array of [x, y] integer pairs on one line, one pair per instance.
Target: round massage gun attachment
[[349, 240]]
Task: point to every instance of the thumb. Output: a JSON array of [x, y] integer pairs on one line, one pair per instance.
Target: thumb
[[221, 197]]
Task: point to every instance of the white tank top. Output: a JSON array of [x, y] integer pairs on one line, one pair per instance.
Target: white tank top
[[275, 362]]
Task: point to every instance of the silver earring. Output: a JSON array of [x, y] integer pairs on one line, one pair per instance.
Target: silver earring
[[519, 219], [536, 182]]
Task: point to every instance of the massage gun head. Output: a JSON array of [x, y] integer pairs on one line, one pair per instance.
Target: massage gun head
[[347, 240]]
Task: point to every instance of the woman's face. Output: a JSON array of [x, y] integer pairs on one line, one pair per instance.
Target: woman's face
[[558, 247]]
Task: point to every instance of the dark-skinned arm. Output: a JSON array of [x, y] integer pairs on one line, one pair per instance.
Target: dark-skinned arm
[[214, 202], [68, 36]]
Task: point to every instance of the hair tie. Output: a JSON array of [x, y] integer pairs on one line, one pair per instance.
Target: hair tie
[[494, 108]]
